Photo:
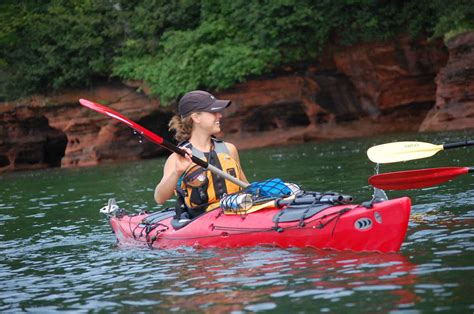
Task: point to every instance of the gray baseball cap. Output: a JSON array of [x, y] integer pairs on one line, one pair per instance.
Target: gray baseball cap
[[200, 101]]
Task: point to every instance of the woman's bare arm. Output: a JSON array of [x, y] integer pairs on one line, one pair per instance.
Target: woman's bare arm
[[174, 167], [235, 154]]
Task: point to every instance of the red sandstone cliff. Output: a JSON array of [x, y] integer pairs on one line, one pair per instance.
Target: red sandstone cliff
[[360, 91], [53, 131], [454, 109], [365, 90]]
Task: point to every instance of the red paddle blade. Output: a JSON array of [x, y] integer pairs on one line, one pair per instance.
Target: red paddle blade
[[114, 114], [416, 179]]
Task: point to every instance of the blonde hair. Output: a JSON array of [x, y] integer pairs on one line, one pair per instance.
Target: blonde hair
[[182, 126]]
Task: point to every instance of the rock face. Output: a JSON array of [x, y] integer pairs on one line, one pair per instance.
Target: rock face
[[28, 141], [387, 76], [56, 131], [359, 91], [454, 109], [365, 90]]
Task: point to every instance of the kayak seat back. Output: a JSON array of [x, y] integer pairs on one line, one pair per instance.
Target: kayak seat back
[[178, 224]]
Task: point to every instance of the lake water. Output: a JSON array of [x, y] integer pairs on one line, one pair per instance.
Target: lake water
[[57, 253]]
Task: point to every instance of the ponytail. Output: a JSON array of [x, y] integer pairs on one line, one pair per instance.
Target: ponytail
[[182, 127]]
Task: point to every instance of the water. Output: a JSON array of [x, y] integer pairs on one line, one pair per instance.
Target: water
[[57, 253]]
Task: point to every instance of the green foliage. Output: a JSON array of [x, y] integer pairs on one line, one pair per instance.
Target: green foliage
[[50, 46], [233, 41], [176, 46], [207, 57], [144, 22], [457, 17]]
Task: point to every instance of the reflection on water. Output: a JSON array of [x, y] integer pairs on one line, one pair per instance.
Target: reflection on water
[[79, 276], [57, 253], [266, 279]]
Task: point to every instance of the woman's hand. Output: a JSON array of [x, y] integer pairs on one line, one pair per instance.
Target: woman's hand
[[174, 167], [183, 163]]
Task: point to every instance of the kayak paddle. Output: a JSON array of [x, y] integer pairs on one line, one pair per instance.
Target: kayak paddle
[[404, 151], [159, 140], [416, 179]]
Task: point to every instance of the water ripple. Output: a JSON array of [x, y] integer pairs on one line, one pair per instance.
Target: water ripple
[[58, 254]]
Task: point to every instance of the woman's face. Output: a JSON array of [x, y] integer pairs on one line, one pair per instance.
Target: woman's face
[[208, 121]]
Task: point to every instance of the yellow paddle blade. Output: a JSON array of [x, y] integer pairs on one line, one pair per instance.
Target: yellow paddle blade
[[402, 151]]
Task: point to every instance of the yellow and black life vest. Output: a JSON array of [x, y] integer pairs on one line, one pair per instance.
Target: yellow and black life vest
[[201, 189]]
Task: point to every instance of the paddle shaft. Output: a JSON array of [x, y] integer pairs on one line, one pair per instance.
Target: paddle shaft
[[458, 144], [175, 149], [159, 140]]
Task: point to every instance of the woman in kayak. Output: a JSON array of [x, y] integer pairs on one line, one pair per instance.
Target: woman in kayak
[[196, 124]]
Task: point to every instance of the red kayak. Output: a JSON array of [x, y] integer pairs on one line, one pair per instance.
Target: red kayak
[[379, 226]]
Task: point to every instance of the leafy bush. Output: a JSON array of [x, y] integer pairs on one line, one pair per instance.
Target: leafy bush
[[207, 57], [176, 46], [454, 18], [61, 44]]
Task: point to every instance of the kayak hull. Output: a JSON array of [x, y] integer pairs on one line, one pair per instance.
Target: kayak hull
[[342, 227]]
